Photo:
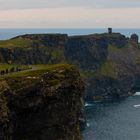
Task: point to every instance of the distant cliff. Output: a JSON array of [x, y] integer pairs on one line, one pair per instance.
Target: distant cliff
[[119, 75], [84, 51], [110, 63], [42, 104]]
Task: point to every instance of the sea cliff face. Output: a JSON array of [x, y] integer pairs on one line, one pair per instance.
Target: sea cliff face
[[88, 52], [110, 63], [41, 104], [118, 76]]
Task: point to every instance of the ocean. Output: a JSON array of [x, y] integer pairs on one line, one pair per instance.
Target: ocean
[[9, 33], [116, 120]]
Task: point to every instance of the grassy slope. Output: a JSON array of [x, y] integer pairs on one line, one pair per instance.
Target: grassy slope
[[16, 43], [108, 69], [117, 62], [20, 42], [29, 78], [37, 70], [9, 66], [55, 54]]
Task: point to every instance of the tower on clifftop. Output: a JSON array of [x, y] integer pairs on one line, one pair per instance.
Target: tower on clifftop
[[110, 30]]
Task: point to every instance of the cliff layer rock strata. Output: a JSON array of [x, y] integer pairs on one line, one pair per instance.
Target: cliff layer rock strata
[[112, 59], [43, 104]]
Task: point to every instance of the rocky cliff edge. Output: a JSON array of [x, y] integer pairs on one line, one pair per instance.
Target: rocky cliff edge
[[41, 104]]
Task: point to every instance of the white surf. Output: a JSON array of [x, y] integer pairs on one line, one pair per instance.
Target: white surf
[[137, 94], [137, 105]]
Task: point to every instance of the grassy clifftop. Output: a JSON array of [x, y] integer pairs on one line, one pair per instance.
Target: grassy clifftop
[[42, 103], [101, 57], [25, 78], [86, 51], [17, 43], [27, 41]]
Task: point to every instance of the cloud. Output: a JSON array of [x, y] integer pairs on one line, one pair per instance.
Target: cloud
[[30, 4], [77, 17]]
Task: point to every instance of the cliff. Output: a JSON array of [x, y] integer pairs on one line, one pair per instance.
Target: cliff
[[34, 49], [108, 62], [42, 103], [118, 76], [87, 51]]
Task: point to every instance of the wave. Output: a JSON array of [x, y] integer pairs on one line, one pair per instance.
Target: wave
[[137, 94], [88, 105], [137, 105]]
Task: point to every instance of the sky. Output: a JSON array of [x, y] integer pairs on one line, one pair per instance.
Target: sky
[[69, 13]]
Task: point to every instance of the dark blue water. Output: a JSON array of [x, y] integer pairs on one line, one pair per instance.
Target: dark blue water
[[9, 33], [118, 120]]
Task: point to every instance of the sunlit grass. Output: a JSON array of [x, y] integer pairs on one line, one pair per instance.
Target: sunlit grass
[[16, 43]]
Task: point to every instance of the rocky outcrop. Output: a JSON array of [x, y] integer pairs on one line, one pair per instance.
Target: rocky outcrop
[[34, 49], [117, 77], [134, 38], [88, 52], [110, 58], [106, 88], [42, 104], [116, 39]]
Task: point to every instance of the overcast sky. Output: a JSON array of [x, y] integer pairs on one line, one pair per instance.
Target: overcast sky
[[69, 13]]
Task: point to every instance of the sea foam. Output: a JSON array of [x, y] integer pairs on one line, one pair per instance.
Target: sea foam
[[137, 105], [137, 94]]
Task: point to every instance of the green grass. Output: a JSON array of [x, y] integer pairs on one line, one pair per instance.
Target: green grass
[[113, 35], [31, 78], [108, 69], [116, 49], [9, 66], [16, 43], [87, 74], [38, 70], [57, 53]]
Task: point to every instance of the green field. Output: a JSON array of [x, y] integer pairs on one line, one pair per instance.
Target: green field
[[30, 77], [9, 66], [32, 70], [9, 69], [16, 43]]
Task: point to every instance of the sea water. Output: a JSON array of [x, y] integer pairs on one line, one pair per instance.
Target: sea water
[[113, 120]]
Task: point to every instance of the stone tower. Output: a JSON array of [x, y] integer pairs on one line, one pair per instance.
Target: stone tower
[[110, 30]]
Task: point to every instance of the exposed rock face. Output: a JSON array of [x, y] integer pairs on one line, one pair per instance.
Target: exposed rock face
[[118, 76], [45, 107], [88, 52], [135, 38], [104, 88], [117, 40], [111, 58], [34, 49]]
